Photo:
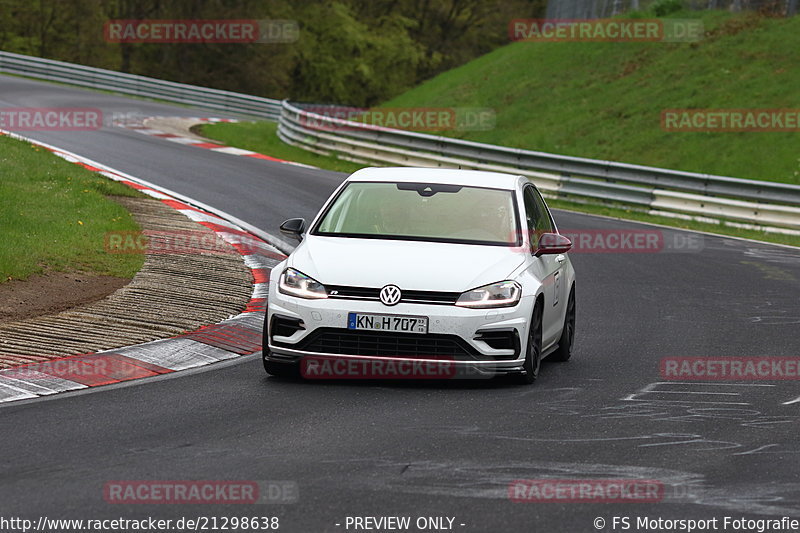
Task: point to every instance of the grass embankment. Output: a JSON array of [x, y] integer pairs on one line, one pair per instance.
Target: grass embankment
[[604, 100], [54, 216]]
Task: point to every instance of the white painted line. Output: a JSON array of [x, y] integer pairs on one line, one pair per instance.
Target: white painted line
[[251, 320], [110, 175], [658, 400], [707, 384], [757, 450], [260, 290], [651, 392], [235, 238], [195, 348], [199, 216], [695, 392], [184, 140], [232, 150], [259, 261], [37, 382], [300, 165], [27, 386], [64, 155], [10, 394], [155, 194], [174, 354], [252, 245], [259, 246]]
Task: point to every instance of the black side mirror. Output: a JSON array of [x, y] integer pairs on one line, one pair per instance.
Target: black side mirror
[[294, 227]]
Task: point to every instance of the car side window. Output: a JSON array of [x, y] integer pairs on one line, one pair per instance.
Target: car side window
[[546, 223], [531, 212], [536, 214]]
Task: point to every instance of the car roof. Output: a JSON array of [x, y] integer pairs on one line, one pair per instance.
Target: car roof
[[450, 176]]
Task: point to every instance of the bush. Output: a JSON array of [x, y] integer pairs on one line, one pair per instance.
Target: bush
[[662, 8]]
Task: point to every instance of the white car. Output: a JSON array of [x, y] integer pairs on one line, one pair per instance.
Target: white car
[[425, 265]]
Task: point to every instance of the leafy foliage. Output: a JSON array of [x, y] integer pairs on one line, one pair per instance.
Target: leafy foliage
[[355, 52], [662, 8]]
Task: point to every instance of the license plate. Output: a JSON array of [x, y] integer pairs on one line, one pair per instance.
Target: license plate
[[401, 323]]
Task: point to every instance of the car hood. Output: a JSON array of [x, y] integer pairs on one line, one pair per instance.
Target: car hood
[[411, 265]]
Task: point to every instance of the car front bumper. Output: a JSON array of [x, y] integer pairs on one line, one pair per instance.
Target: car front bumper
[[325, 325]]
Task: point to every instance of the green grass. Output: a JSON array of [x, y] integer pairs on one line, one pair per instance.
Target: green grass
[[604, 100], [54, 216], [262, 137]]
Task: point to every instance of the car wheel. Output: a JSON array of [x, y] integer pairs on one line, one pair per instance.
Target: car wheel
[[281, 370], [533, 349], [567, 340]]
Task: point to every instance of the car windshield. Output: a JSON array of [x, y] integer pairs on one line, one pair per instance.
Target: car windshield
[[423, 212]]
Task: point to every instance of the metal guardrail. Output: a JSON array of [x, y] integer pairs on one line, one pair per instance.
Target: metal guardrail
[[97, 78], [762, 203], [765, 204]]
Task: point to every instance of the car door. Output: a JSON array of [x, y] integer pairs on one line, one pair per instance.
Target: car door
[[549, 267]]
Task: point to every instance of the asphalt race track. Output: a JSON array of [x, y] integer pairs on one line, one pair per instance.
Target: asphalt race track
[[435, 449]]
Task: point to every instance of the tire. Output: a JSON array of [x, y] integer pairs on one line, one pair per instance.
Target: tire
[[533, 347], [281, 370], [567, 340]]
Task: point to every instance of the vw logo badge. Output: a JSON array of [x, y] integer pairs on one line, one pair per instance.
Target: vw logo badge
[[390, 295]]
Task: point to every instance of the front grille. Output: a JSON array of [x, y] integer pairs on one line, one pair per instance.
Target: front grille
[[383, 344], [359, 293], [432, 297], [409, 296]]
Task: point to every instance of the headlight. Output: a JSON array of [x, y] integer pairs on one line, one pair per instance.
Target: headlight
[[296, 283], [501, 294]]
